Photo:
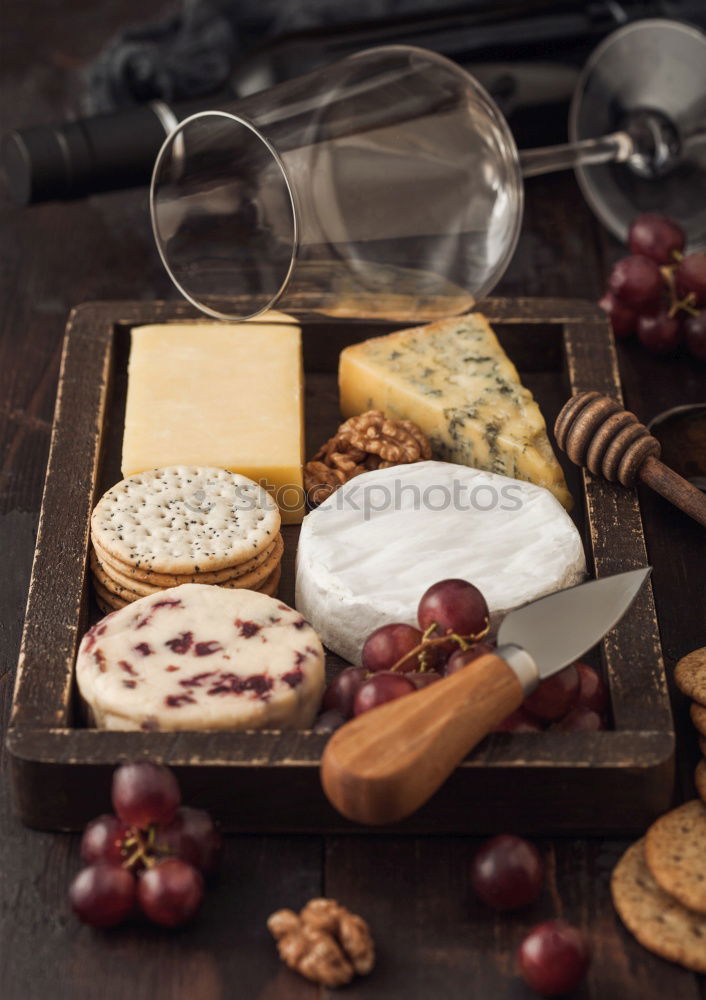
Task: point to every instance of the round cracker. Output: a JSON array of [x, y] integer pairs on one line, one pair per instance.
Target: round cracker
[[659, 922], [271, 585], [164, 580], [700, 779], [698, 717], [104, 608], [109, 583], [252, 581], [125, 586], [675, 852], [112, 601], [690, 675], [185, 519]]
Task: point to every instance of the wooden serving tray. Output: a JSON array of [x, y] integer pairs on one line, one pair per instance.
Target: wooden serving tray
[[540, 783]]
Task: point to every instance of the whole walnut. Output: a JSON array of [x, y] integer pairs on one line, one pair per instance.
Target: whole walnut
[[325, 942], [361, 444]]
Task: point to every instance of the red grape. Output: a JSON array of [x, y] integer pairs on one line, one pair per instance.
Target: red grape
[[690, 277], [382, 687], [519, 721], [340, 693], [453, 606], [103, 895], [462, 657], [554, 696], [593, 693], [580, 719], [192, 836], [660, 334], [695, 335], [103, 840], [636, 281], [657, 237], [623, 319], [554, 958], [442, 653], [171, 892], [506, 872], [145, 793], [388, 644], [329, 722], [424, 678]]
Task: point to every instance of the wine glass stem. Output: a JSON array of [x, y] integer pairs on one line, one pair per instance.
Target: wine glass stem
[[614, 148]]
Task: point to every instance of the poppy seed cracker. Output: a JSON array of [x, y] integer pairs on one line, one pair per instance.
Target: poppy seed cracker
[[185, 519]]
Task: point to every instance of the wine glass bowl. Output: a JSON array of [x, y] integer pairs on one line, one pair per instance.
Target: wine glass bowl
[[223, 214], [386, 185]]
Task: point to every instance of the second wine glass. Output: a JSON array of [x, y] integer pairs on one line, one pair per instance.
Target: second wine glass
[[388, 185]]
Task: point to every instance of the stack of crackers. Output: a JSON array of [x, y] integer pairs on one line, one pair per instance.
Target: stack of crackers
[[183, 524], [690, 675], [659, 885]]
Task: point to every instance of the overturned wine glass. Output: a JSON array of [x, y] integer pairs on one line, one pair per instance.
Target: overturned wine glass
[[388, 185]]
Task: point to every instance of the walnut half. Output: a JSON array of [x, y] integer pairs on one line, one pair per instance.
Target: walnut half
[[325, 942], [368, 441]]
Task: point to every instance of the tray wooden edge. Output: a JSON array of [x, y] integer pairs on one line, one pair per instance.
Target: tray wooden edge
[[634, 769], [34, 747]]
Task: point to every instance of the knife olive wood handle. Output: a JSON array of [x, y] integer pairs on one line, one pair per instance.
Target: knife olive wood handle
[[384, 764]]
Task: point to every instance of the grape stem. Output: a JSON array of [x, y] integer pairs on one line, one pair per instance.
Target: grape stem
[[688, 303], [144, 846], [464, 642]]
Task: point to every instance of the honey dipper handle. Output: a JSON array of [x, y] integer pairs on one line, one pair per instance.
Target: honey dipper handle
[[674, 488]]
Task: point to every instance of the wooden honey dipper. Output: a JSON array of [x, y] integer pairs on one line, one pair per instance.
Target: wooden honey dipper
[[598, 433]]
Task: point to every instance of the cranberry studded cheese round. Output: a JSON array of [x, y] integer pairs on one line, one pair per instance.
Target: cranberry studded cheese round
[[202, 657]]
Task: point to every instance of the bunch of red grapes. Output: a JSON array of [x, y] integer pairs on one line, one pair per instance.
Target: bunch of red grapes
[[150, 857], [507, 874], [659, 293], [398, 659]]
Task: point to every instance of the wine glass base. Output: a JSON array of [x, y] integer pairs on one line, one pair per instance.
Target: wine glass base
[[651, 66]]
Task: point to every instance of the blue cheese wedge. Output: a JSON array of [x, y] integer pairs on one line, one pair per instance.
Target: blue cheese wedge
[[455, 381]]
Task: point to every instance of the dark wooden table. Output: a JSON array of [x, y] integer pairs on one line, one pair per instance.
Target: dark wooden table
[[434, 941]]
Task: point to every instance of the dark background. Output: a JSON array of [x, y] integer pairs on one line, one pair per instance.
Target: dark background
[[434, 941]]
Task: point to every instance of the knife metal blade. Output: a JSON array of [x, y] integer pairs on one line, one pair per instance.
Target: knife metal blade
[[558, 629], [384, 764]]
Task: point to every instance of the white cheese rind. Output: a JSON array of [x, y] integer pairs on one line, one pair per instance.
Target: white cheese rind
[[369, 552], [198, 657]]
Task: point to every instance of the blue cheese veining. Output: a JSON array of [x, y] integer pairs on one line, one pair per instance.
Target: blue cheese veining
[[455, 381]]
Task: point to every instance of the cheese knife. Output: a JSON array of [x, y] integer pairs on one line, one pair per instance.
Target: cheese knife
[[384, 764]]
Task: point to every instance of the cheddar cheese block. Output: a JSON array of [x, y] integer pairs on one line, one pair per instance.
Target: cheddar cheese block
[[224, 395], [454, 380]]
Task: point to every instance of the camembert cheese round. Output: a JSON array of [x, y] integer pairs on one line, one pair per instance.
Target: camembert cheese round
[[369, 552]]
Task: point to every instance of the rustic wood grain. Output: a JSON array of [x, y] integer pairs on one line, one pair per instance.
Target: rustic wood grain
[[59, 767], [676, 545], [413, 889], [444, 935]]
